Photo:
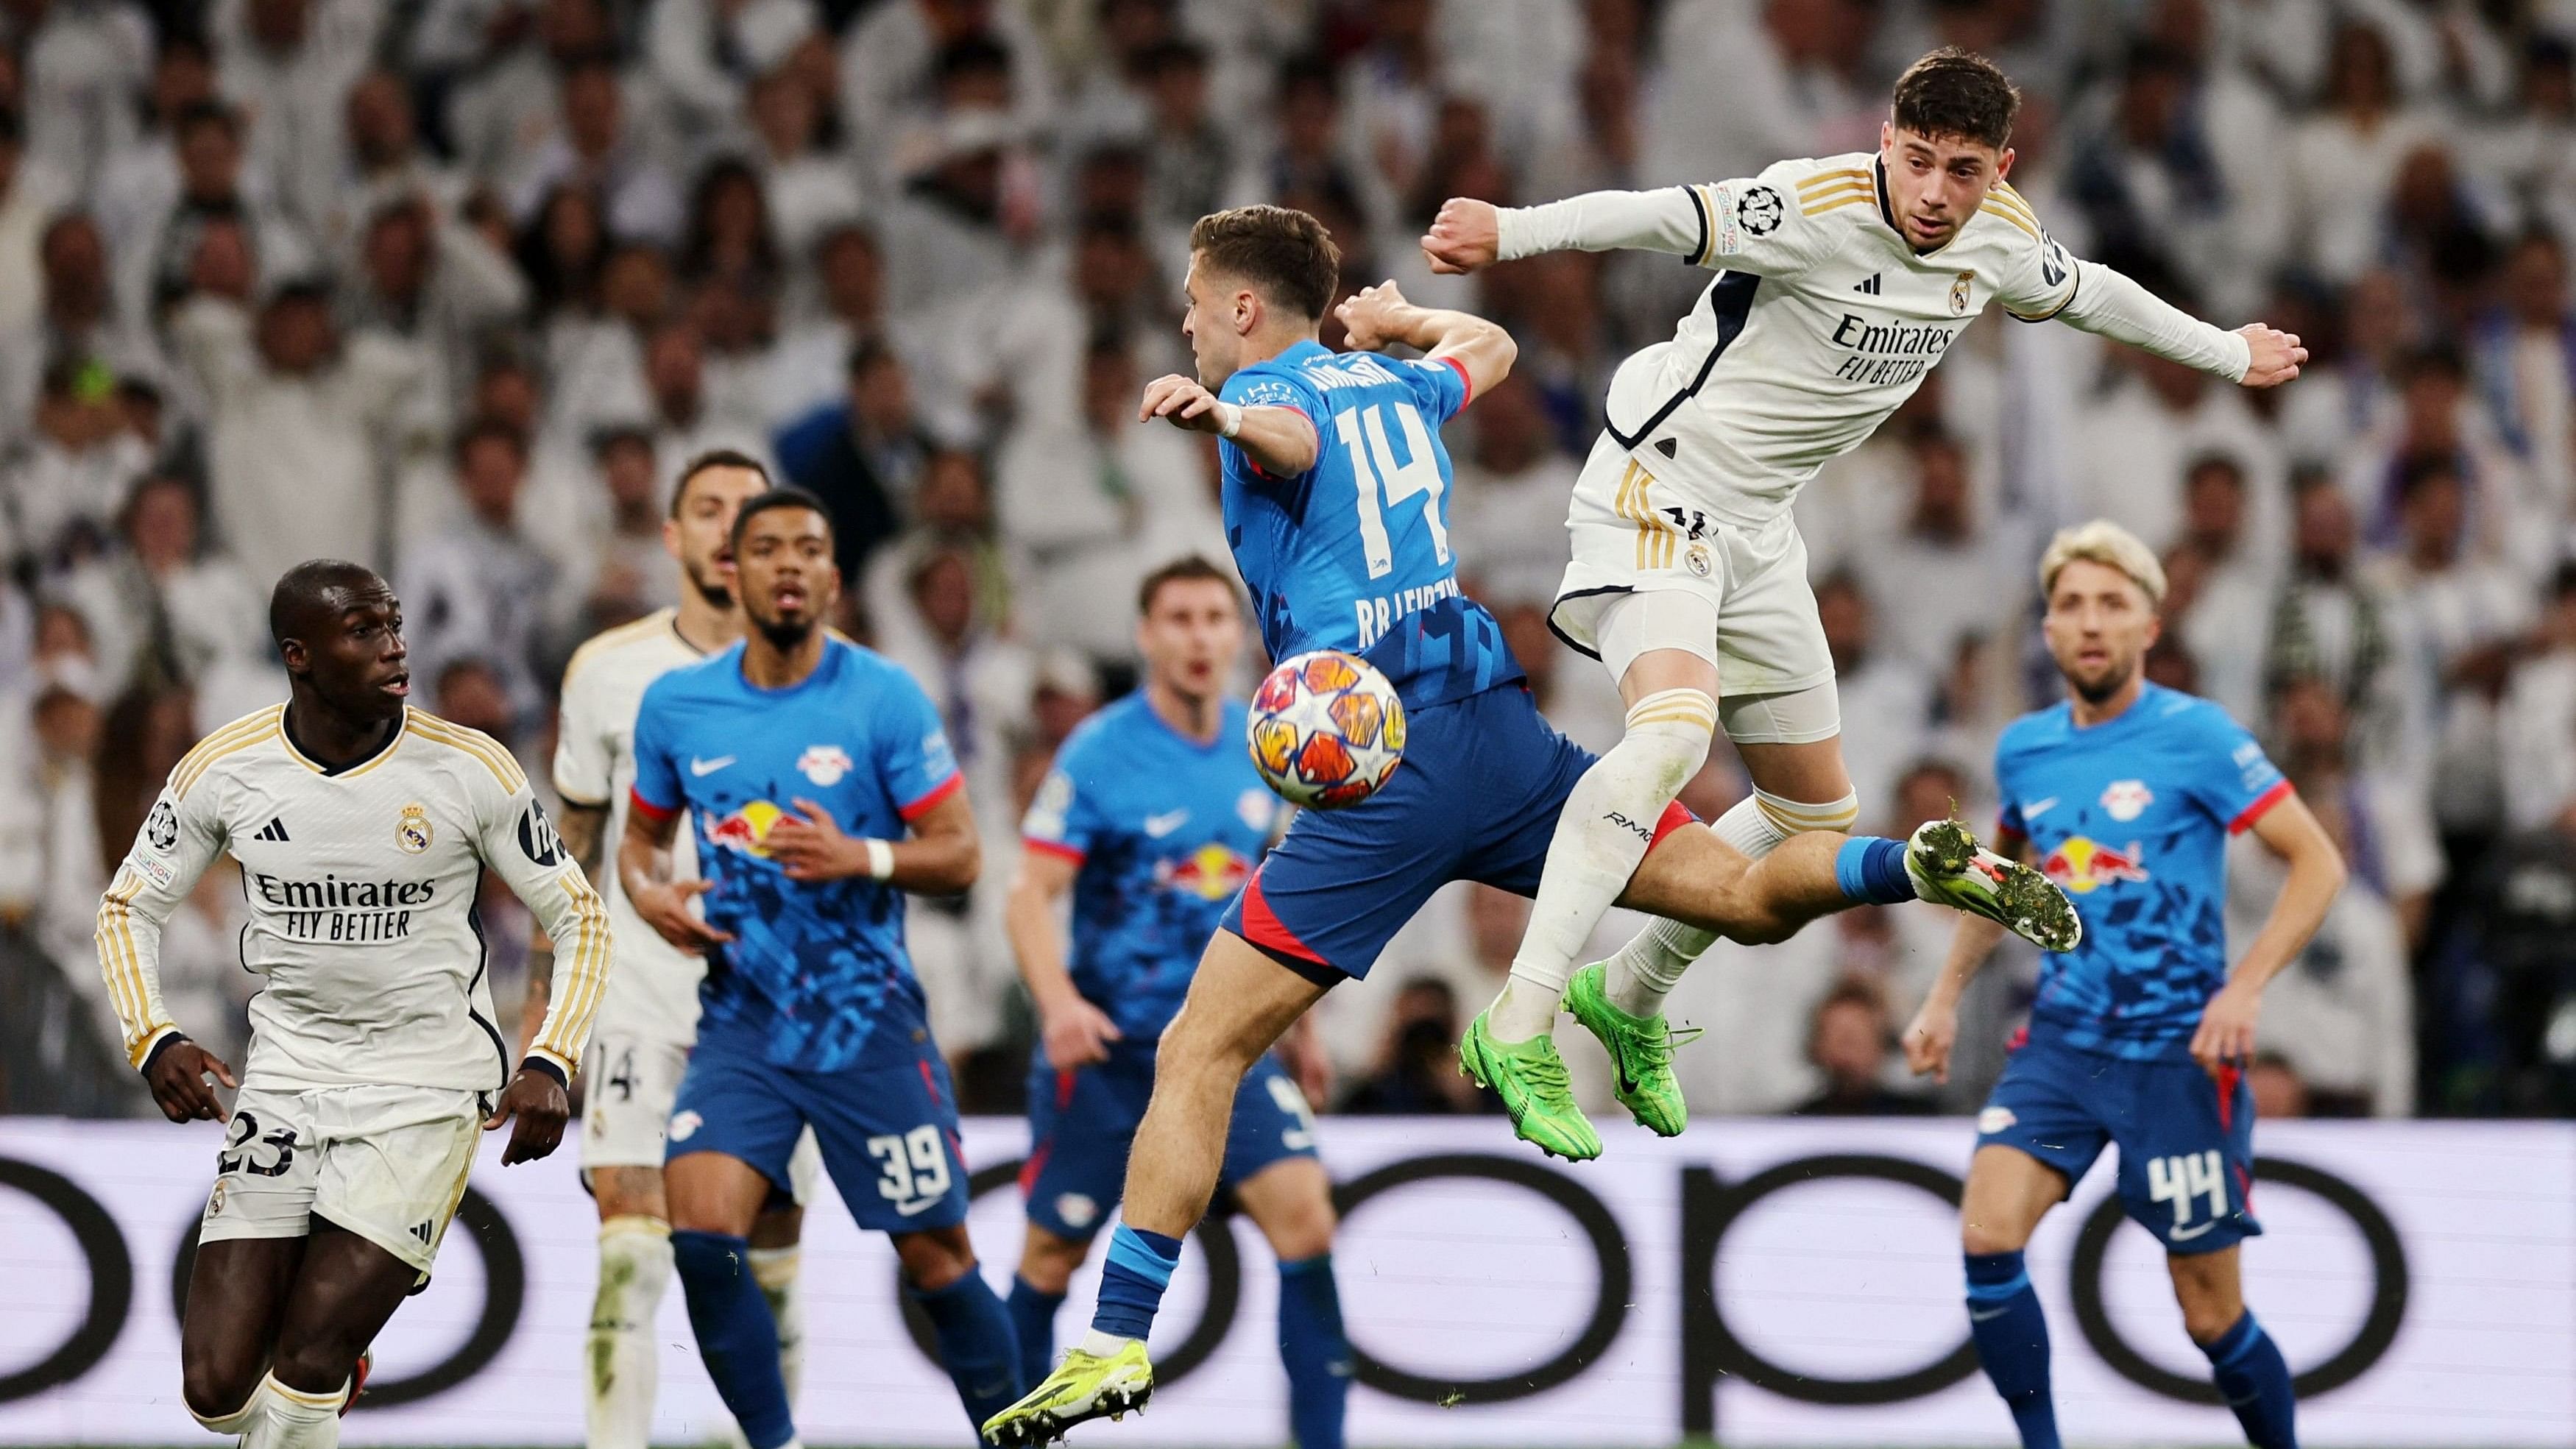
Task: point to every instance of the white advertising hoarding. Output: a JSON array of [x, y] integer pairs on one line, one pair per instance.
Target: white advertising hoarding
[[1765, 1282]]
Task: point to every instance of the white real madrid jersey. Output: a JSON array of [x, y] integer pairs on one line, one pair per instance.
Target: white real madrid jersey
[[654, 990], [1823, 321], [360, 885]]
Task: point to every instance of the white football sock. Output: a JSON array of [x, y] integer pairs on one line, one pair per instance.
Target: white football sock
[[1647, 968], [1604, 831], [295, 1419], [238, 1422], [623, 1360], [1101, 1345], [774, 1269]]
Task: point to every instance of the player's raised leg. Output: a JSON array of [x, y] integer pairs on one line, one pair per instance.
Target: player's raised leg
[[1239, 1003], [2244, 1361], [1670, 687]]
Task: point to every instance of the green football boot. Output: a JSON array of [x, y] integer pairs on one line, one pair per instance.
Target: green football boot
[[1530, 1078], [1950, 868], [1084, 1387], [1641, 1047]]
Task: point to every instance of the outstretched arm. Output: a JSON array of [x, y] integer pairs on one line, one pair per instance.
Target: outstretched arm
[[2108, 304], [1468, 234], [178, 841], [1481, 351], [1281, 440]]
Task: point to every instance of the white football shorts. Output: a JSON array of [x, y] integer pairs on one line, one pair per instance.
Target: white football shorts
[[386, 1163]]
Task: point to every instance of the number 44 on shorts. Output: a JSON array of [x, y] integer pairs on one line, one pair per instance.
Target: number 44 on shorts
[[2181, 1179], [915, 1167]]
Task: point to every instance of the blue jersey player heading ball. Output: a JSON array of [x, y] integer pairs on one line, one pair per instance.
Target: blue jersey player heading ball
[[1336, 507], [1153, 819], [803, 762], [2126, 793]]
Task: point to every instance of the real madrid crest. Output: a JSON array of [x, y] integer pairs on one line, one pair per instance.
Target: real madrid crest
[[1959, 294], [412, 831], [215, 1200], [1697, 560]]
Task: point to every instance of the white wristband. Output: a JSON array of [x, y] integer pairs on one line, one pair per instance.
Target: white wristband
[[1229, 420], [880, 859]]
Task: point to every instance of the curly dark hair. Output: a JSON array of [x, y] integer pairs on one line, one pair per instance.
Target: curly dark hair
[[1957, 93]]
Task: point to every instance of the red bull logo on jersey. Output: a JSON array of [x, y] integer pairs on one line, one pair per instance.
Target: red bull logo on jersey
[[1212, 873], [2080, 864], [746, 829]]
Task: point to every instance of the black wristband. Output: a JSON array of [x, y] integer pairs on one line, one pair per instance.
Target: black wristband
[[158, 1047], [542, 1064]]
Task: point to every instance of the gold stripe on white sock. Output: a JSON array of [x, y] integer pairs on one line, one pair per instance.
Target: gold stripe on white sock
[[1794, 818]]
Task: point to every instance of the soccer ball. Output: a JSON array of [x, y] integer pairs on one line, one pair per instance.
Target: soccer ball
[[1326, 730]]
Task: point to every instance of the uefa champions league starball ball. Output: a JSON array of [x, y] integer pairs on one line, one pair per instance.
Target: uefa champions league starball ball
[[1326, 730]]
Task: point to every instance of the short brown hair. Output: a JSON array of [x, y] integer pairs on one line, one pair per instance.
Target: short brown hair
[[1285, 254], [1188, 568], [1957, 93]]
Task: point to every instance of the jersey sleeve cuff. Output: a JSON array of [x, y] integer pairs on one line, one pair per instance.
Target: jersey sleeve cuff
[[1071, 854], [933, 796], [1464, 381], [154, 1043], [2261, 807], [655, 813], [540, 1059]]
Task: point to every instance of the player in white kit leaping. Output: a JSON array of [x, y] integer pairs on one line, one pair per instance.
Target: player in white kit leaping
[[362, 827], [649, 1019], [1842, 281]]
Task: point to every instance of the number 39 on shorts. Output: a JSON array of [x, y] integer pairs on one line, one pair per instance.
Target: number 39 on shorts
[[914, 1168]]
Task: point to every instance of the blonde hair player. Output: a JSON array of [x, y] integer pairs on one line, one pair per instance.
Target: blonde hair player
[[2125, 794], [1842, 281]]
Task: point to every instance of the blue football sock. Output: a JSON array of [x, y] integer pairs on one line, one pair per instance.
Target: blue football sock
[[2255, 1380], [1132, 1281], [2011, 1334], [1033, 1324], [1317, 1356], [736, 1334], [976, 1344], [1871, 869]]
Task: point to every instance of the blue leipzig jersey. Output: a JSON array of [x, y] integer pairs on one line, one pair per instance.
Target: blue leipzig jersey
[[816, 976], [1354, 553], [1166, 831], [2132, 817]]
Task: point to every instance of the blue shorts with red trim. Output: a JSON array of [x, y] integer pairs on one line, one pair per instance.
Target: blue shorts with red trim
[[887, 1134], [2186, 1138], [1477, 797], [1082, 1123]]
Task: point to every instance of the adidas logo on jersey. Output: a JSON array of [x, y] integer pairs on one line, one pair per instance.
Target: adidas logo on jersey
[[421, 1231], [1868, 286], [274, 830]]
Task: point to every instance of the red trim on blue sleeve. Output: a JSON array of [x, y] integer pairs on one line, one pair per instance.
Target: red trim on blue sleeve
[[937, 793], [1464, 380], [2009, 838], [655, 813], [1255, 466], [2261, 807], [1056, 848]]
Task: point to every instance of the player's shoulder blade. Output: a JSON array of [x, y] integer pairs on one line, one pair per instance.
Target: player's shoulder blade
[[607, 643], [2010, 218], [255, 728], [471, 743]]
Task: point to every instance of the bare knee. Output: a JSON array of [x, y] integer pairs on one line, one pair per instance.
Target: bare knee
[[316, 1363], [2211, 1297], [2008, 1193], [934, 1259], [1047, 1261], [628, 1192], [218, 1380], [1978, 1239], [1199, 1055], [1302, 1228]]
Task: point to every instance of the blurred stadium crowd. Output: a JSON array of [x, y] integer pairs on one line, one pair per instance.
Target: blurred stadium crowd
[[453, 287]]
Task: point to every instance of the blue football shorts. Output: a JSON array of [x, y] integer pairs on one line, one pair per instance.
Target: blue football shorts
[[1082, 1123], [887, 1134], [1476, 798], [2186, 1139]]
